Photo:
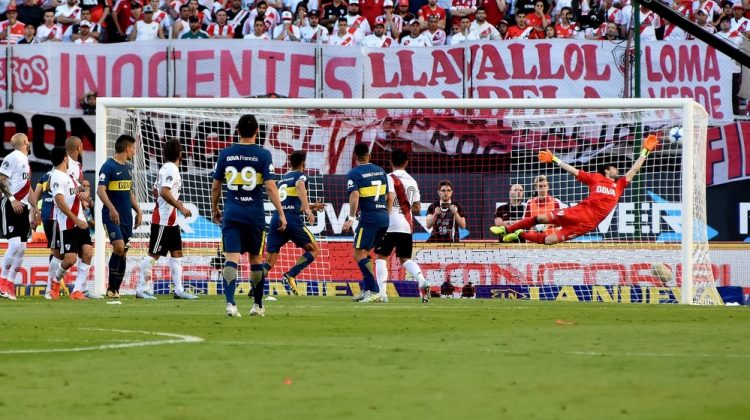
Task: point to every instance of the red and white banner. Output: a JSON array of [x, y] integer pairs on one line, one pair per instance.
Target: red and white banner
[[728, 153], [53, 77]]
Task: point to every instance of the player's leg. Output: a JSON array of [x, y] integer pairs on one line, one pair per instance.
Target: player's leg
[[257, 239], [53, 243], [69, 246], [174, 244], [382, 252], [117, 260], [274, 241], [17, 234], [156, 249], [84, 264], [404, 250], [371, 239], [304, 239], [231, 236]]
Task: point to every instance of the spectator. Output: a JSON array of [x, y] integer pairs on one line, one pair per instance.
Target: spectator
[[331, 14], [68, 14], [73, 31], [402, 9], [739, 22], [513, 210], [542, 203], [259, 30], [494, 10], [100, 10], [538, 20], [393, 22], [49, 30], [358, 25], [432, 9], [550, 32], [467, 292], [11, 30], [462, 8], [220, 28], [521, 30], [701, 19], [673, 32], [286, 31], [436, 35], [481, 29], [181, 25], [564, 27], [710, 7], [122, 15], [237, 16], [529, 6], [29, 35], [300, 15], [85, 37], [161, 17], [30, 12], [88, 102], [204, 18], [146, 29], [378, 39], [446, 289], [269, 14], [343, 36], [684, 8], [462, 35], [371, 9], [314, 32], [195, 31], [502, 29], [733, 38], [650, 22], [416, 38], [445, 216]]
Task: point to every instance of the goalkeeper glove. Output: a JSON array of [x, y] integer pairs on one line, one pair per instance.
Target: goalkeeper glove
[[545, 156], [649, 145]]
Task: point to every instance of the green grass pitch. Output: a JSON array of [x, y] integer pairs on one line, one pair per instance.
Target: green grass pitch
[[329, 358]]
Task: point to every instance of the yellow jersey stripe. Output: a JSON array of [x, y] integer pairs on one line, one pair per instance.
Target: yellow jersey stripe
[[372, 191], [120, 185], [239, 181], [291, 192]]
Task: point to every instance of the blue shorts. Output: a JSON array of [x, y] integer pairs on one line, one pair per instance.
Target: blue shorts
[[243, 237], [118, 232], [368, 236], [296, 233]]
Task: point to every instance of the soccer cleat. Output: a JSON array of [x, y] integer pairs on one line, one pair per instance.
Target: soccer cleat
[[426, 293], [257, 310], [289, 280], [47, 295], [186, 296], [113, 294], [360, 296], [64, 291], [8, 290], [91, 295], [498, 230], [371, 297], [78, 295], [144, 295], [232, 311], [383, 297], [513, 237], [54, 291]]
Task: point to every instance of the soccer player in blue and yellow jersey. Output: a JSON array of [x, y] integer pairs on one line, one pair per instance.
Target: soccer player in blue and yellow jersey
[[115, 190], [367, 186], [294, 201], [246, 168]]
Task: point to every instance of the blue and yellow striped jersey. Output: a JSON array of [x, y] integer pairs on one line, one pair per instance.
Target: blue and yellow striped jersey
[[371, 183], [118, 181]]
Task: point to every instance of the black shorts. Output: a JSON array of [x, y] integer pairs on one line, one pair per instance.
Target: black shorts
[[51, 231], [164, 239], [73, 240], [14, 225], [401, 241]]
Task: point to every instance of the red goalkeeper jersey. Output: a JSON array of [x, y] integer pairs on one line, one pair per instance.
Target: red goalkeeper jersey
[[604, 194]]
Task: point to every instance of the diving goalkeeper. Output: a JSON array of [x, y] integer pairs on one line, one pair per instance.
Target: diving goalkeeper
[[605, 189]]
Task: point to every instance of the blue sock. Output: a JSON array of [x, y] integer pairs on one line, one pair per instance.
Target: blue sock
[[365, 266], [302, 262], [230, 281]]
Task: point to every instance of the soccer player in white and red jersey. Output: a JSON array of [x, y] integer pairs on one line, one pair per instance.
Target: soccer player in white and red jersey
[[165, 233], [75, 238], [605, 189], [18, 210], [404, 192], [220, 28], [431, 9]]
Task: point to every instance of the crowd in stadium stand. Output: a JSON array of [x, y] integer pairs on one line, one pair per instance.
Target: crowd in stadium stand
[[370, 23]]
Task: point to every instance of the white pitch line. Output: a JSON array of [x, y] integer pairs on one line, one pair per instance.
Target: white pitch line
[[174, 339]]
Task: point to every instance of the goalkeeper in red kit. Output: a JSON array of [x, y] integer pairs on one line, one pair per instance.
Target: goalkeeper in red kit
[[605, 189]]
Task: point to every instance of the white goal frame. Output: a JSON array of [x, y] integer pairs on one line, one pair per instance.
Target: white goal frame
[[687, 106]]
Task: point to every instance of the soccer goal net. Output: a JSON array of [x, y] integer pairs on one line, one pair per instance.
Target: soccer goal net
[[652, 246]]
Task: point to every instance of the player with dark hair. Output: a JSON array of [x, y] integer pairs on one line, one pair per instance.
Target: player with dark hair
[[165, 233], [404, 193], [293, 193], [605, 189], [75, 238], [367, 186], [115, 190], [246, 168]]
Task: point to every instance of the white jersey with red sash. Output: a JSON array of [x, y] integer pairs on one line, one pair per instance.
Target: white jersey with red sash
[[407, 193]]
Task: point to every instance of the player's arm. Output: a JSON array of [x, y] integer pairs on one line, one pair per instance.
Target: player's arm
[[273, 195], [353, 207], [389, 198], [17, 206], [648, 146], [215, 194], [101, 192], [60, 203], [137, 208], [307, 208], [166, 194], [545, 156], [33, 201]]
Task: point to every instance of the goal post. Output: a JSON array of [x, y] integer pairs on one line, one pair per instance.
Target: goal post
[[528, 124]]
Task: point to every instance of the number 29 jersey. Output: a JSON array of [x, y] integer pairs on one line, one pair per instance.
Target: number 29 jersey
[[244, 168]]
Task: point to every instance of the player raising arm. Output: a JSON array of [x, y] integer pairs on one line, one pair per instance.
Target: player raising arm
[[605, 189], [247, 168], [293, 193], [165, 233]]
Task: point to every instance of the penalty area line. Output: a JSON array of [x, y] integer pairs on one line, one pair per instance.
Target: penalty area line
[[170, 339]]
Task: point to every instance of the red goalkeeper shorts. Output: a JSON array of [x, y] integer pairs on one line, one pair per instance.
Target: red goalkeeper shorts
[[575, 221]]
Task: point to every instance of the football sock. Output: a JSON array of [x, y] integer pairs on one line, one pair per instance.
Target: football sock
[[416, 272], [54, 264], [175, 268], [365, 266], [230, 280], [535, 237], [121, 271], [256, 278], [303, 261], [381, 272], [17, 262], [82, 276], [525, 223], [14, 246], [147, 266], [114, 272]]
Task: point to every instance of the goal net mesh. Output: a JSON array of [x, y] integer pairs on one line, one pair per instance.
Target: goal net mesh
[[633, 254]]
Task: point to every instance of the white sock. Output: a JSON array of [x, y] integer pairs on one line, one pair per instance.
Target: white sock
[[175, 267], [17, 262], [54, 264], [82, 276], [147, 265], [416, 272], [60, 273], [14, 246], [381, 274]]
